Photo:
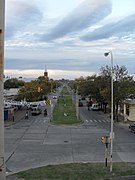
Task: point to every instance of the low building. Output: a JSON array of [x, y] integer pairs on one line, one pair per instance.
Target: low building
[[10, 93], [129, 109]]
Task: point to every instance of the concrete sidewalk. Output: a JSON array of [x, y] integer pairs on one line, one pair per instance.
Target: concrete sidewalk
[[18, 115]]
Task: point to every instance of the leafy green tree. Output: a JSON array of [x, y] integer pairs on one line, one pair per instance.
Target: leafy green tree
[[123, 85], [99, 87], [36, 89], [13, 83], [10, 83]]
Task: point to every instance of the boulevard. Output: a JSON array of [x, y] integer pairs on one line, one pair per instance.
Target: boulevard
[[35, 142]]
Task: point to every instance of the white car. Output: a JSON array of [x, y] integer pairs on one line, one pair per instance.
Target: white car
[[54, 97], [95, 107], [35, 111], [34, 106]]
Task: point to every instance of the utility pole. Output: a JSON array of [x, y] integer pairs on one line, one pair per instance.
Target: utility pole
[[2, 159], [77, 113], [111, 133]]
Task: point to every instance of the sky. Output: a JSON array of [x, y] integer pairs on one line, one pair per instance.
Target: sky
[[68, 38]]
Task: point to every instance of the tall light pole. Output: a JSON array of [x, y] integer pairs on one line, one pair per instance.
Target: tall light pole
[[51, 118], [111, 133], [2, 159], [77, 110]]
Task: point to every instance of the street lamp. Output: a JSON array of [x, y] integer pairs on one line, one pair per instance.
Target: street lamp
[[77, 110], [111, 133]]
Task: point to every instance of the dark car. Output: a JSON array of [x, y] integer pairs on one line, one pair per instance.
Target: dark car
[[80, 104], [83, 98], [132, 127]]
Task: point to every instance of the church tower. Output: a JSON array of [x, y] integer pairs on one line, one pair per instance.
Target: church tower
[[45, 72]]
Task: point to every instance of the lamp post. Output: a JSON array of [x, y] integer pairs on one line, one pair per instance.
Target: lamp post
[[51, 117], [111, 133], [77, 110], [2, 159]]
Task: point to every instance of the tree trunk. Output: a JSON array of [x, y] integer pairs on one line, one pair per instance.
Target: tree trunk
[[117, 104]]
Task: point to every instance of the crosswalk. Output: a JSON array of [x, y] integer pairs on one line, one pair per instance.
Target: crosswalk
[[37, 121], [46, 120], [97, 120]]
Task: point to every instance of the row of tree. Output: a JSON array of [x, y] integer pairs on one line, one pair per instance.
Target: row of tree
[[13, 83], [34, 90], [99, 87]]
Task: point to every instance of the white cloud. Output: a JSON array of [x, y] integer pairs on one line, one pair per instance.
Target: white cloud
[[121, 28], [53, 74], [20, 15], [101, 24], [85, 15]]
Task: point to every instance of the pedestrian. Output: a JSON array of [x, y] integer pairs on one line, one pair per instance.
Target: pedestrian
[[26, 115], [89, 104], [45, 112], [13, 115]]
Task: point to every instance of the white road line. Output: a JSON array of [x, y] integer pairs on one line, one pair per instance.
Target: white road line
[[90, 120], [95, 120]]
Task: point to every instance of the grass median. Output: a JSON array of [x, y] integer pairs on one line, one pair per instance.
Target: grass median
[[65, 111], [78, 171]]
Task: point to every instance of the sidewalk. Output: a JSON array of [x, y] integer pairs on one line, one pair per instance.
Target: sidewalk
[[13, 177], [19, 114]]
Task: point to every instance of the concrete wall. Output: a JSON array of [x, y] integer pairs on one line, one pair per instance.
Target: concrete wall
[[131, 112]]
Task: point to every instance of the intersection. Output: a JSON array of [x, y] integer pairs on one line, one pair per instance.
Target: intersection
[[35, 142]]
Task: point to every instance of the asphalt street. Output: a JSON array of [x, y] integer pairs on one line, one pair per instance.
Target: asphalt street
[[34, 142]]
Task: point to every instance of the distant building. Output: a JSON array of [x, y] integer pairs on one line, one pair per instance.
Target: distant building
[[6, 78], [45, 72], [10, 93], [129, 109]]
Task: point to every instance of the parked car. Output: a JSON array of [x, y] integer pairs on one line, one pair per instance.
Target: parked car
[[132, 127], [83, 98], [34, 106], [35, 111], [80, 104], [95, 107], [55, 97]]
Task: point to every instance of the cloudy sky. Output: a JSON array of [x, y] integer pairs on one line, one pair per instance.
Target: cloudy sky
[[68, 38]]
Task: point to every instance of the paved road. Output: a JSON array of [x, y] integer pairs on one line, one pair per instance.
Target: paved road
[[35, 142]]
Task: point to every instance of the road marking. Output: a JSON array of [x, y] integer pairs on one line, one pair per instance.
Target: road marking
[[87, 120], [90, 120], [95, 120]]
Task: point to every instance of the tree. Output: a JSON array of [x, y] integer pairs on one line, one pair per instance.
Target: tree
[[10, 83], [13, 83], [36, 89], [29, 91], [99, 87], [123, 85]]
